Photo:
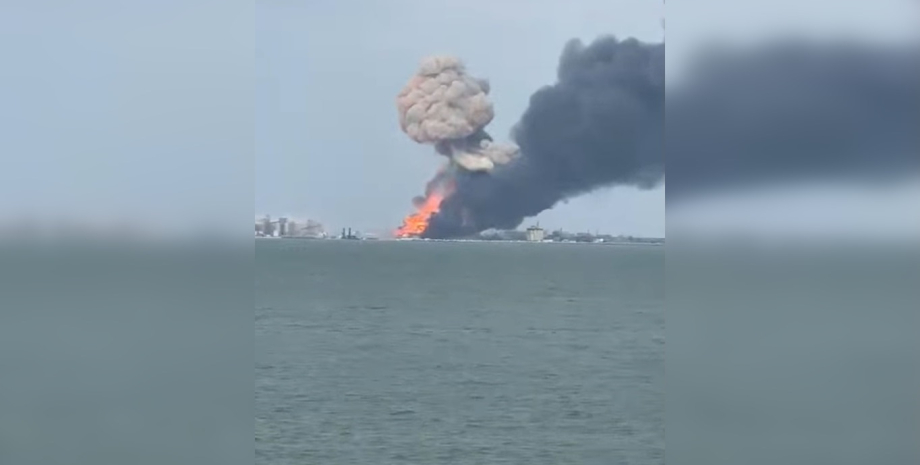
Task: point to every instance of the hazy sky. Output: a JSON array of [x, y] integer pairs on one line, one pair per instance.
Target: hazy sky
[[804, 210], [327, 141], [139, 110], [176, 109], [328, 71]]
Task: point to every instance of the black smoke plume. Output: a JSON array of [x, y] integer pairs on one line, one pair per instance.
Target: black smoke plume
[[793, 112], [602, 123], [784, 112]]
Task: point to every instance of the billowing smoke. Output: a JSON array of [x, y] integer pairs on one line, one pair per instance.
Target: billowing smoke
[[601, 124], [782, 112], [445, 106], [793, 112]]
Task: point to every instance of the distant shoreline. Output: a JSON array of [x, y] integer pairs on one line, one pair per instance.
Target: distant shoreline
[[484, 241]]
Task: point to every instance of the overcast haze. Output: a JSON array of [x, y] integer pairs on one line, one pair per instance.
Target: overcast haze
[[329, 145], [127, 110], [105, 112], [805, 210]]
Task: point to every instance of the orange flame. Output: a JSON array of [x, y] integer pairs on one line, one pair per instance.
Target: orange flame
[[416, 223]]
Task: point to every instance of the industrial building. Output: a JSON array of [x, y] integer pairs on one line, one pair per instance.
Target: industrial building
[[535, 234], [286, 227]]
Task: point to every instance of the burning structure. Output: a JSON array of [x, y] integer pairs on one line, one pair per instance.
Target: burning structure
[[788, 111], [602, 123], [444, 106]]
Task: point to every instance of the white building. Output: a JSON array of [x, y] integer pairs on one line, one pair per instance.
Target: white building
[[535, 234]]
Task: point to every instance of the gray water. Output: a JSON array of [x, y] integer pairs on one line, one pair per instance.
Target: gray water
[[462, 353]]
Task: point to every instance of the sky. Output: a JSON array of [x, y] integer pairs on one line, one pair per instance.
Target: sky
[[328, 142], [199, 112], [814, 209], [137, 111], [328, 145]]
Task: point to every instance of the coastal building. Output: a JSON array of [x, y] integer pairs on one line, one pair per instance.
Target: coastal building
[[535, 234], [267, 229], [282, 227], [288, 227]]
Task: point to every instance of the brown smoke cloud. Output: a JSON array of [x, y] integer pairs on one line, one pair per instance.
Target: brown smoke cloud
[[445, 106]]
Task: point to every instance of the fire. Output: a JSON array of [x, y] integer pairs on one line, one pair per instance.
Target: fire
[[415, 224], [437, 190]]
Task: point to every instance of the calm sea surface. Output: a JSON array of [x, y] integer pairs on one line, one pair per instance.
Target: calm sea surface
[[461, 353]]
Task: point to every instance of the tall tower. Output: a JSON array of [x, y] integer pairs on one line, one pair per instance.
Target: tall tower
[[267, 226], [282, 227]]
